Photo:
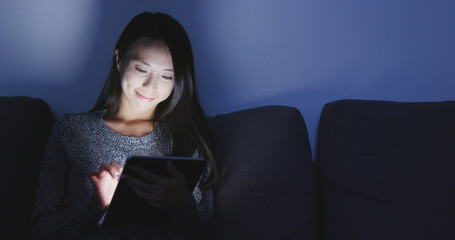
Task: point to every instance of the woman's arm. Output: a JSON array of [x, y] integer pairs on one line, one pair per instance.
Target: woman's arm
[[53, 217]]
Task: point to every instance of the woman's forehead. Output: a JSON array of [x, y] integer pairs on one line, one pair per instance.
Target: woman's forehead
[[153, 53]]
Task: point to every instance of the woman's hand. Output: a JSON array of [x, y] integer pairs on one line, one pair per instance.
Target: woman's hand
[[105, 181], [161, 192]]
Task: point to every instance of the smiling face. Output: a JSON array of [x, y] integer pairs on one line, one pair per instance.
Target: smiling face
[[147, 79]]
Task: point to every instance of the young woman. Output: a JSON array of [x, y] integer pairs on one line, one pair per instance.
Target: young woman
[[148, 106]]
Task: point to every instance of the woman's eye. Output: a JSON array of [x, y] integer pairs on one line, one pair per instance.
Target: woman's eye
[[167, 77], [140, 70]]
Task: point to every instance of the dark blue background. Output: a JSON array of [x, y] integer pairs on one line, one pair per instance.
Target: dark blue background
[[248, 53]]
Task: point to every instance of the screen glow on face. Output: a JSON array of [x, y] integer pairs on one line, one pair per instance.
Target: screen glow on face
[[148, 78]]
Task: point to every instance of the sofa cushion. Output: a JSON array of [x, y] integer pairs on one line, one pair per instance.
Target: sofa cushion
[[268, 188], [25, 125], [387, 170]]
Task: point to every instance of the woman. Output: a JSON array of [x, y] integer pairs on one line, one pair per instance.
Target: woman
[[148, 106]]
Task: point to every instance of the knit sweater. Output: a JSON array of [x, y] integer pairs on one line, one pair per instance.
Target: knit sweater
[[66, 206]]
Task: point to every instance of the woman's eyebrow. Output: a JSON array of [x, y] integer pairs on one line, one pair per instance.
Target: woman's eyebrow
[[144, 62]]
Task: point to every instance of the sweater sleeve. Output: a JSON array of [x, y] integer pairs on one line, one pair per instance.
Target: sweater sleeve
[[53, 217]]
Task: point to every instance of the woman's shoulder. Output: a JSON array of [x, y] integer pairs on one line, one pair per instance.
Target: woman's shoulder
[[78, 118], [71, 120]]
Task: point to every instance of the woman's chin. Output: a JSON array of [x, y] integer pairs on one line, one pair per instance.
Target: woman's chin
[[145, 107]]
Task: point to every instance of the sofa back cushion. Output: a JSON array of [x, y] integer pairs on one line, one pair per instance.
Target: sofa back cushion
[[387, 170], [268, 188], [25, 126]]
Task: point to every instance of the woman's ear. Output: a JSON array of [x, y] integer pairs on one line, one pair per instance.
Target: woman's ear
[[116, 60]]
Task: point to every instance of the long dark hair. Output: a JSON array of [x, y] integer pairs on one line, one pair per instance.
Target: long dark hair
[[181, 113]]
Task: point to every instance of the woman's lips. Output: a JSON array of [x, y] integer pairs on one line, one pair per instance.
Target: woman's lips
[[144, 98]]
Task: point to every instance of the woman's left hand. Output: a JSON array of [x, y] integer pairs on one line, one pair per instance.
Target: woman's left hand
[[161, 192]]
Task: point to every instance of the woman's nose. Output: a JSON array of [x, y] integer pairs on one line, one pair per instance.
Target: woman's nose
[[151, 82]]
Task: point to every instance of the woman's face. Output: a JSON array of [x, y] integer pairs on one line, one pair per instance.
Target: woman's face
[[147, 79]]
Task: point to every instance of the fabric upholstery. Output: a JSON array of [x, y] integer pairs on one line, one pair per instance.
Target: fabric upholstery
[[25, 126], [387, 170], [268, 188]]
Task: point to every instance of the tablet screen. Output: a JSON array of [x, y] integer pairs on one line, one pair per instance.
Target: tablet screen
[[127, 208]]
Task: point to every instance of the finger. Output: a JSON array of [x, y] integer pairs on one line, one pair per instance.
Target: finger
[[140, 185], [148, 175], [112, 170], [93, 174], [116, 170], [174, 171], [102, 172], [93, 178], [105, 166], [117, 166], [114, 173]]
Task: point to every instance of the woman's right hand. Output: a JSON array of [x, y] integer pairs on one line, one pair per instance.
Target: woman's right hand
[[105, 182]]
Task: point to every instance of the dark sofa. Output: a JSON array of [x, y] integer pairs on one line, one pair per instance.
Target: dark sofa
[[25, 124], [384, 170], [387, 170]]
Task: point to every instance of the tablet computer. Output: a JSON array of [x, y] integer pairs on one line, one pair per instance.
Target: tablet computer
[[127, 208]]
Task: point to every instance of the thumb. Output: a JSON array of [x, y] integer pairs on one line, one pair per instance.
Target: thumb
[[93, 174], [93, 177]]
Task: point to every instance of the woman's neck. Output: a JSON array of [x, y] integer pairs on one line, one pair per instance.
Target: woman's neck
[[129, 115], [129, 123]]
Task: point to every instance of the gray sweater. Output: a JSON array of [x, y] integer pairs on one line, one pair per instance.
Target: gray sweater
[[66, 207]]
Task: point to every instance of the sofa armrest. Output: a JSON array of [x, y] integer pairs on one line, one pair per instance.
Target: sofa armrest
[[386, 170], [25, 125]]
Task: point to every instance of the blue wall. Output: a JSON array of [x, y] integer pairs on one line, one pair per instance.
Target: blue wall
[[301, 53]]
